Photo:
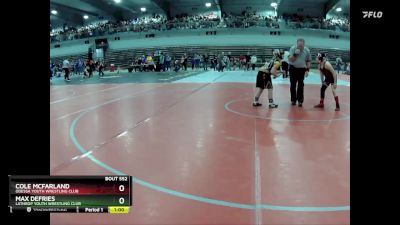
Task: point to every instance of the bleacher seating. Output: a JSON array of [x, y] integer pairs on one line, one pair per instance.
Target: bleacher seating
[[123, 58]]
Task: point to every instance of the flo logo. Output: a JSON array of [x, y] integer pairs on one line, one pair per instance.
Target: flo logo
[[372, 14]]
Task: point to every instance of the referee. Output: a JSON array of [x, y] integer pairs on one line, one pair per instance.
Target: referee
[[300, 62]]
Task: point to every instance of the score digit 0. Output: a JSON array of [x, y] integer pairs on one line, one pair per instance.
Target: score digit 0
[[121, 188], [121, 201]]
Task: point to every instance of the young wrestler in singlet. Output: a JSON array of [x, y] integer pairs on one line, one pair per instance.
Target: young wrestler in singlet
[[326, 71], [264, 78]]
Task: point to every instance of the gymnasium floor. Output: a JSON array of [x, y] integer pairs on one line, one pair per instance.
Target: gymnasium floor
[[200, 153]]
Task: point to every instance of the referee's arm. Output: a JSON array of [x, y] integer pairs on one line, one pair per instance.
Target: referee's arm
[[308, 61], [308, 64], [292, 58]]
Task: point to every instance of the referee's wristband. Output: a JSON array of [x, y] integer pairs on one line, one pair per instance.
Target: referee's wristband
[[308, 69]]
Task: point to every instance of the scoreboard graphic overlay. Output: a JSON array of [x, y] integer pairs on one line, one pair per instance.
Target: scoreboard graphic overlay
[[70, 194]]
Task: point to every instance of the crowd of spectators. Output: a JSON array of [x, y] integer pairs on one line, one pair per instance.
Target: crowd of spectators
[[77, 67], [295, 21], [209, 20], [145, 24], [159, 61], [249, 19]]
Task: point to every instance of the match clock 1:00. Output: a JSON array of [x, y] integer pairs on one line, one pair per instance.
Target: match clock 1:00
[[118, 209]]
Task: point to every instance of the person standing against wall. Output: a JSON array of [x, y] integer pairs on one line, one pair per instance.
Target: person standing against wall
[[300, 63]]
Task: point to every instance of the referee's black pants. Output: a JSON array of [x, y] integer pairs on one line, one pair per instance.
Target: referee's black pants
[[297, 82], [66, 75]]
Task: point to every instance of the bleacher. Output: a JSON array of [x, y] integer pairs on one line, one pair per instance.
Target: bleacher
[[71, 58], [123, 58]]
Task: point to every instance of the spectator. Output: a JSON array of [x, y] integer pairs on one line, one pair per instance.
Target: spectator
[[339, 64], [51, 69], [205, 61], [220, 62], [193, 61], [248, 61], [229, 62], [226, 63], [348, 68], [285, 64], [167, 62], [76, 67], [57, 70], [253, 61], [230, 20], [197, 60], [184, 61], [150, 62], [137, 65], [177, 65], [162, 61], [92, 67], [101, 69], [213, 62], [65, 67], [236, 62], [242, 61], [80, 66]]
